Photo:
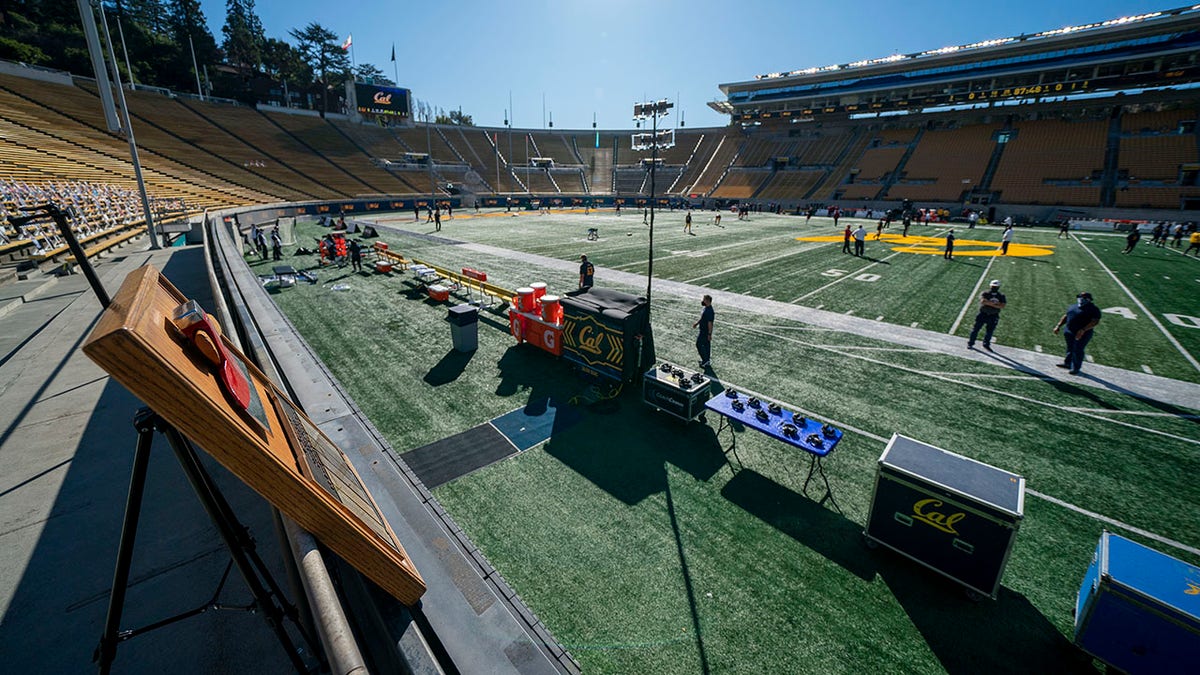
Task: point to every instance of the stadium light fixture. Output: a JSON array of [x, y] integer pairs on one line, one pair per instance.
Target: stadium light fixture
[[651, 111]]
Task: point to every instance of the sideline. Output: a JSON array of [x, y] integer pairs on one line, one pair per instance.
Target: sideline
[[1040, 495]]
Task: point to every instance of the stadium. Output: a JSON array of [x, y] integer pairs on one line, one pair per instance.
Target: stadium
[[434, 441]]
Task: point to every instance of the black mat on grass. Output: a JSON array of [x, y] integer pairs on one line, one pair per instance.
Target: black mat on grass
[[441, 462]]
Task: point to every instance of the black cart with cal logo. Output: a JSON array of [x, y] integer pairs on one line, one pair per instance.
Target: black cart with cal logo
[[953, 514]]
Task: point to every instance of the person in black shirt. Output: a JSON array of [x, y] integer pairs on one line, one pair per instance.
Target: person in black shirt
[[1132, 240], [355, 255], [586, 271], [949, 253], [704, 337], [991, 302], [1080, 322]]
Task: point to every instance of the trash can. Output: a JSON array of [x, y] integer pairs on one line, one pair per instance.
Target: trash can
[[464, 327]]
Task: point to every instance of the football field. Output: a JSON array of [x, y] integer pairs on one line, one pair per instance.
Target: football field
[[645, 547]]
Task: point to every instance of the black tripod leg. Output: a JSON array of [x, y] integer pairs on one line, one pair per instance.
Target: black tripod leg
[[246, 543], [106, 652], [202, 485]]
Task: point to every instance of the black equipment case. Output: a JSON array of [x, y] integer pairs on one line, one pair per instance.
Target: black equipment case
[[953, 514]]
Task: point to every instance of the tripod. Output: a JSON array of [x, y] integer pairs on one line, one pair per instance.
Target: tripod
[[268, 597]]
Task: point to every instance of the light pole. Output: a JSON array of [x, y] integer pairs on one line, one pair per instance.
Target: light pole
[[652, 141]]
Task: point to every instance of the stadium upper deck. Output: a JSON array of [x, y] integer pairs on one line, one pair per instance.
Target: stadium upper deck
[[1155, 50]]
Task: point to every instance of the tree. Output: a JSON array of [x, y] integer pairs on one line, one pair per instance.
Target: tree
[[454, 117], [319, 48], [189, 29], [244, 37], [371, 74], [283, 62]]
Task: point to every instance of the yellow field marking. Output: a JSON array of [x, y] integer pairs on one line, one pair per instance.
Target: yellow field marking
[[923, 245]]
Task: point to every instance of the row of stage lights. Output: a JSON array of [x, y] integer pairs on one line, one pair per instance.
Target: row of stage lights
[[978, 45]]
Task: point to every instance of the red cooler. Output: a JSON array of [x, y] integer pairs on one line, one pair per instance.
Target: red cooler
[[516, 325], [542, 336], [525, 299], [552, 310]]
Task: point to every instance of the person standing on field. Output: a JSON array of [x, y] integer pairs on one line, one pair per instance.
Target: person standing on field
[[1078, 326], [991, 302]]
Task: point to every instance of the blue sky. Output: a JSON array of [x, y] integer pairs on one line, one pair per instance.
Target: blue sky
[[602, 56]]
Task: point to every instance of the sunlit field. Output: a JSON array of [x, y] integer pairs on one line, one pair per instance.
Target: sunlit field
[[645, 547]]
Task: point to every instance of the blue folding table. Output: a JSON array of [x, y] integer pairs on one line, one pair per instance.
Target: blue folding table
[[783, 425]]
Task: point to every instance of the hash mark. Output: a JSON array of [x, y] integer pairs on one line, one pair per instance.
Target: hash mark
[[1037, 348], [1147, 370]]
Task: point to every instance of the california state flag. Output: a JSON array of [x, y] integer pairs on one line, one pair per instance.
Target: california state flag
[[349, 41]]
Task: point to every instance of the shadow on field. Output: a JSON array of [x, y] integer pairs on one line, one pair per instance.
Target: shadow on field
[[828, 533], [449, 368], [625, 453], [1053, 380], [1008, 635]]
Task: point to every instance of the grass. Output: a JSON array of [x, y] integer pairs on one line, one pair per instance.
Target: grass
[[645, 548]]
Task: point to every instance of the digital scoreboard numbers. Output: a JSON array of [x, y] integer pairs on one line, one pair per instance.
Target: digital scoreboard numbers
[[168, 352]]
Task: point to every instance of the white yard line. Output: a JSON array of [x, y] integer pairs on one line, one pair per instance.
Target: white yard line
[[974, 297], [737, 244], [998, 376], [972, 385], [756, 263], [1190, 359], [1115, 523], [844, 277], [1143, 413], [1029, 491]]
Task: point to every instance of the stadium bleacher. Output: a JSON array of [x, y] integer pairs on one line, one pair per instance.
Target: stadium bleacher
[[1135, 155]]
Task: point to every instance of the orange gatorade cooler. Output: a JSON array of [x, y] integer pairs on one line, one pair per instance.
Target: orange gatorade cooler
[[552, 311], [539, 289], [516, 325], [525, 299]]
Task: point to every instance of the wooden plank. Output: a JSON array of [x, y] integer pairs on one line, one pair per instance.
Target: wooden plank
[[274, 448]]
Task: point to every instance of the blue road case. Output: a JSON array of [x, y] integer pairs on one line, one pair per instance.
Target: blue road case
[[1138, 610], [953, 514]]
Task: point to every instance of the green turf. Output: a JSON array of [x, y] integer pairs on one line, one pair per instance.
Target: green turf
[[763, 257], [645, 548]]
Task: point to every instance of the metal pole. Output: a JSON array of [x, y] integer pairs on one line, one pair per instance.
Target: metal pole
[[195, 68], [653, 166], [60, 220], [125, 51], [133, 151], [429, 160], [510, 126], [106, 652]]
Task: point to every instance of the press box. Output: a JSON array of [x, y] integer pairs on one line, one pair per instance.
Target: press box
[[1138, 610], [953, 514]]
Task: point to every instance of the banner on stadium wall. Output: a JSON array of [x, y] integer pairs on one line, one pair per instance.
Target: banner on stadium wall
[[376, 100]]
